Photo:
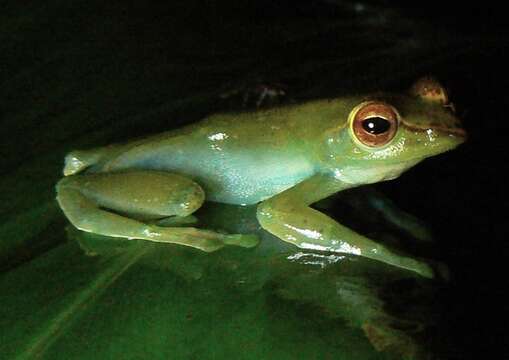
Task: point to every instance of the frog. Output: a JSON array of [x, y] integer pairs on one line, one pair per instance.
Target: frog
[[281, 159]]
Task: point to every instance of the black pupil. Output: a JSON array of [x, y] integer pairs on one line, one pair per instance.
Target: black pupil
[[376, 125]]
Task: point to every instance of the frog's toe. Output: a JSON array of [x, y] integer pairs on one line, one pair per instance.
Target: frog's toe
[[211, 245], [425, 270], [242, 240], [441, 271], [420, 267], [432, 269]]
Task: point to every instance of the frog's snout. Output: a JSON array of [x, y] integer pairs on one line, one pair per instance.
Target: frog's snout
[[448, 138], [452, 130]]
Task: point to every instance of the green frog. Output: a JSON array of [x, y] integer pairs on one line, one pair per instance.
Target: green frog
[[283, 159]]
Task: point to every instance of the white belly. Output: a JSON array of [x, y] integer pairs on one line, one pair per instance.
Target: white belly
[[238, 178]]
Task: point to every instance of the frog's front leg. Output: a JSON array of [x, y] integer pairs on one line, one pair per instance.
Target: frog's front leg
[[117, 204], [289, 217]]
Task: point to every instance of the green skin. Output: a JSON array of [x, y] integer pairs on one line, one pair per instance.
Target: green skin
[[285, 159]]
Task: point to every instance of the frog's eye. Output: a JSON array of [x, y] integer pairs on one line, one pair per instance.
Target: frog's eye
[[374, 123]]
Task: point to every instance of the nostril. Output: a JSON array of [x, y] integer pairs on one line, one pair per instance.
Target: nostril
[[458, 132]]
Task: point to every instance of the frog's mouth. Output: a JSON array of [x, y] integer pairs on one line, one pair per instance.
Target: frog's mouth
[[450, 127], [439, 138], [446, 140], [453, 129]]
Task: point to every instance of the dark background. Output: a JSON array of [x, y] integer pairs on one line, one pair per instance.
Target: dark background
[[465, 198], [78, 74]]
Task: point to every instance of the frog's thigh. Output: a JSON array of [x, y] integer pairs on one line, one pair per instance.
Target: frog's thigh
[[145, 194], [86, 199]]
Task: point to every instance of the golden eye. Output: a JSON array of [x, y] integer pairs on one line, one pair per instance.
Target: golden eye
[[374, 123]]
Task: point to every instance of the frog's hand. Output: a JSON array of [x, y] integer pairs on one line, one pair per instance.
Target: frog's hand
[[139, 194], [289, 217], [77, 161]]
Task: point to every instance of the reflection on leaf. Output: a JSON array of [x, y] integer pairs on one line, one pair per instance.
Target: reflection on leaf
[[215, 292]]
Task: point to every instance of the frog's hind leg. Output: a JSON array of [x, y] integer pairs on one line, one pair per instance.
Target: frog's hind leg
[[118, 204]]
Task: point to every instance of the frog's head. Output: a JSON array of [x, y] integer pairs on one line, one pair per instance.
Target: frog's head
[[387, 134]]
